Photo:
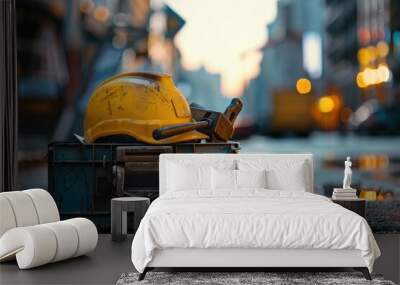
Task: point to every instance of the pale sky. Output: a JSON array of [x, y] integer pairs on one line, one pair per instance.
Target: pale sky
[[218, 33]]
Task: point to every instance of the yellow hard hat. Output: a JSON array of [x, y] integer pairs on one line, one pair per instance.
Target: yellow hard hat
[[135, 104]]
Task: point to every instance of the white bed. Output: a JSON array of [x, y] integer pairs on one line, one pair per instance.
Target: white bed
[[281, 225]]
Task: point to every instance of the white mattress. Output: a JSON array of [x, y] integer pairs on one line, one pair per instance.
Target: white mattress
[[254, 219]]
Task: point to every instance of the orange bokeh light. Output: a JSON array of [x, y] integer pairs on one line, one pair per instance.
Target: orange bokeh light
[[303, 86], [326, 104], [101, 13]]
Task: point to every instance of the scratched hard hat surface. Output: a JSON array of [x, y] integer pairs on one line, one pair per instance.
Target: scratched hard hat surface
[[135, 104]]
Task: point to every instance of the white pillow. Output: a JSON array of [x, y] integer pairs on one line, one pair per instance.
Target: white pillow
[[223, 179], [188, 177], [292, 180], [251, 178], [282, 174], [230, 180]]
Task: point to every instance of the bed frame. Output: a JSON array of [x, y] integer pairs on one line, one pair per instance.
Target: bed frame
[[261, 259], [248, 259]]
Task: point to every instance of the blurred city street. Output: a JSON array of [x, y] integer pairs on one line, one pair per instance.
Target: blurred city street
[[330, 151], [312, 76], [323, 145], [110, 105], [377, 159]]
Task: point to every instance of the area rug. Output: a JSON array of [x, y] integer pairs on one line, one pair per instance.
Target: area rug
[[229, 278]]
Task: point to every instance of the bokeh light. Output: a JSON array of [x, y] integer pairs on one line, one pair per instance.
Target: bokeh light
[[363, 56], [326, 104], [101, 13], [383, 49], [303, 86], [86, 6], [372, 76], [372, 52], [383, 73], [360, 80]]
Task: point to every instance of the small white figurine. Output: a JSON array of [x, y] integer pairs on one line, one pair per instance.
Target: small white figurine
[[347, 174]]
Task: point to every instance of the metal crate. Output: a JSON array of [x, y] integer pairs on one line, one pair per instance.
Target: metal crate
[[84, 177]]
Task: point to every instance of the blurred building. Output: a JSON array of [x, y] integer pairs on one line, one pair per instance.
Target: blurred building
[[284, 57], [341, 47], [394, 59], [358, 34], [202, 87], [65, 48], [43, 73]]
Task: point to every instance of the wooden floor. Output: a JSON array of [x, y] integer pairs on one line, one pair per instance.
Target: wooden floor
[[103, 266]]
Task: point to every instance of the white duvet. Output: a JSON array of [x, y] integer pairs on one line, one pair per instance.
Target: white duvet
[[250, 219]]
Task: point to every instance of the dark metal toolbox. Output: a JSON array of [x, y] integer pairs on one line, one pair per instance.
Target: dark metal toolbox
[[84, 177]]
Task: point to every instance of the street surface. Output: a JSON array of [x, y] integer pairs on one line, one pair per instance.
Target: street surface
[[334, 147]]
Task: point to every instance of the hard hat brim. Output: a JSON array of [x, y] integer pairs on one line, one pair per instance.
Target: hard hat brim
[[91, 137]]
